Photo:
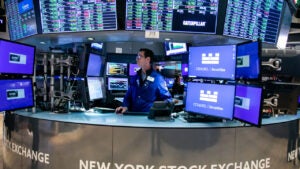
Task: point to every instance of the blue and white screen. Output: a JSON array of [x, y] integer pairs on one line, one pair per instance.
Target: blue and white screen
[[212, 62], [210, 99], [248, 61]]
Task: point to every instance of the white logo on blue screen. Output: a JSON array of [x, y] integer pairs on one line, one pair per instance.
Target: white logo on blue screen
[[210, 58], [209, 96]]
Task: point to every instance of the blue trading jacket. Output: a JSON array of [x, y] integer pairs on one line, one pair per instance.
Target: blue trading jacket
[[141, 94]]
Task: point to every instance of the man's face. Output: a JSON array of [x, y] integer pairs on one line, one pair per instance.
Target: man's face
[[141, 60]]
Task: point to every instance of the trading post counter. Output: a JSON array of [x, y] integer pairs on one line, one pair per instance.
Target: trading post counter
[[90, 140]]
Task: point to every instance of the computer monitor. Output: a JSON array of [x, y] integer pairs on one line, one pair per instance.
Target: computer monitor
[[248, 60], [175, 48], [133, 68], [218, 62], [114, 68], [168, 68], [21, 18], [248, 104], [184, 69], [16, 58], [94, 65], [96, 88], [117, 83], [210, 99], [16, 94]]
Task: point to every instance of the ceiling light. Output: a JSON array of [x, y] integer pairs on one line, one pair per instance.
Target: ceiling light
[[91, 39]]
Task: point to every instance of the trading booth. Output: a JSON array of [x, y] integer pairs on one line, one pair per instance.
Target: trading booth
[[236, 106]]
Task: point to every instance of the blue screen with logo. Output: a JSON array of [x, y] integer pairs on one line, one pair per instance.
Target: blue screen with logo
[[247, 106], [16, 94], [218, 62], [210, 99], [248, 61]]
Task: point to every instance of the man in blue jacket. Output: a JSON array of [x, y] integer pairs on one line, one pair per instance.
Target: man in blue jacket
[[145, 87]]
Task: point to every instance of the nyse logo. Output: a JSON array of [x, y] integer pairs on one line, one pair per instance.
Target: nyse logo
[[209, 96], [210, 58]]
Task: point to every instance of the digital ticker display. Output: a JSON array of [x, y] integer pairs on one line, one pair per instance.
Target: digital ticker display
[[253, 19], [21, 18], [78, 15], [172, 15]]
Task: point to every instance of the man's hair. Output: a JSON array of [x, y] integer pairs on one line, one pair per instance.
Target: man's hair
[[148, 53]]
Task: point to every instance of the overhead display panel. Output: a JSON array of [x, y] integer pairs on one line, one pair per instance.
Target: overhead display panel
[[78, 15], [21, 18], [253, 19], [172, 15]]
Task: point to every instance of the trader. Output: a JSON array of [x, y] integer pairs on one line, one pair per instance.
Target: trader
[[145, 87]]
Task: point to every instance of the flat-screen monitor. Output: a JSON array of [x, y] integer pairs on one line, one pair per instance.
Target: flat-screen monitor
[[248, 60], [61, 16], [94, 65], [21, 18], [210, 99], [16, 94], [133, 68], [114, 68], [117, 83], [248, 104], [218, 62], [258, 19], [184, 69], [175, 48], [16, 58], [96, 88], [180, 16], [168, 68]]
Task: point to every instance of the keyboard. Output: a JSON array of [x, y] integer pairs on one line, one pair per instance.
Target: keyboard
[[192, 119]]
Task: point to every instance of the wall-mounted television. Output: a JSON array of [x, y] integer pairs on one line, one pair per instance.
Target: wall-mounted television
[[114, 68], [248, 60], [96, 88], [61, 16], [95, 65], [218, 62], [133, 68], [16, 58], [21, 18], [117, 83], [175, 48], [248, 104], [209, 99], [180, 16], [16, 94], [168, 68]]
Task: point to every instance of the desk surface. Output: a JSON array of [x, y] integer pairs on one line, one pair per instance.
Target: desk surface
[[112, 119]]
